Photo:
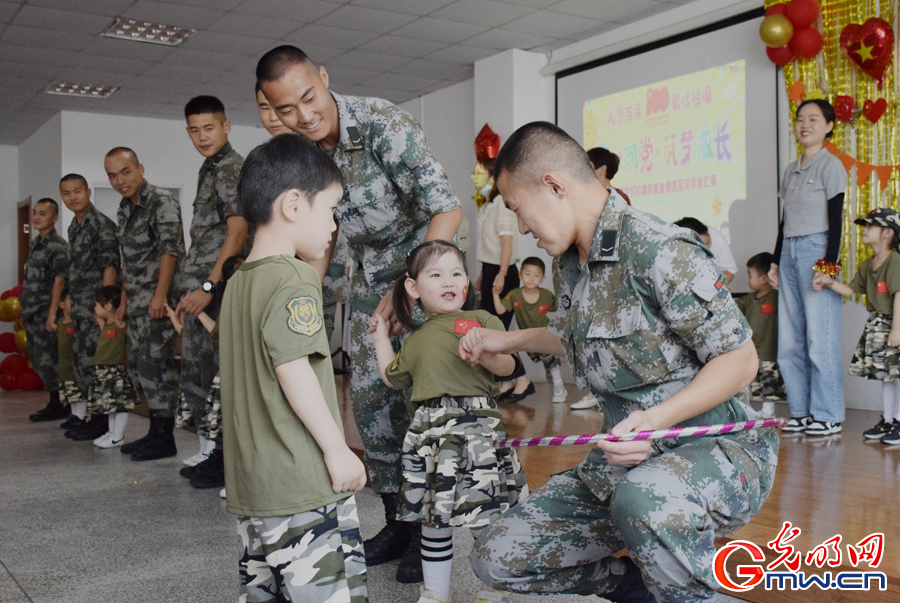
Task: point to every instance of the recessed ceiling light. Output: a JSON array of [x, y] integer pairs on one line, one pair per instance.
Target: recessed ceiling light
[[144, 31], [82, 90]]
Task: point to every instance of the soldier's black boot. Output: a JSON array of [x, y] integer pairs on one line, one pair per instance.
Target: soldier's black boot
[[136, 445], [54, 411], [211, 472], [93, 429], [393, 539], [161, 443], [409, 571], [631, 588]]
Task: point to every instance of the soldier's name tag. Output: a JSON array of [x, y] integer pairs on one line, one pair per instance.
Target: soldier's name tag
[[882, 286], [463, 326], [767, 308], [304, 318], [110, 334], [543, 309]]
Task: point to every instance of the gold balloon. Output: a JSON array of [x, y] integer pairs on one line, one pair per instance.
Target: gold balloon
[[15, 307], [22, 340], [6, 312], [776, 31]]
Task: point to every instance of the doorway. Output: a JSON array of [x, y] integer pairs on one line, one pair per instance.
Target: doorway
[[24, 234]]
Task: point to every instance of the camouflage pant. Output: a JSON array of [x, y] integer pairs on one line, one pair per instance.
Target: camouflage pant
[[211, 425], [381, 413], [873, 357], [111, 390], [151, 362], [84, 341], [768, 384], [309, 557], [667, 511], [549, 361], [69, 393], [199, 365], [42, 350]]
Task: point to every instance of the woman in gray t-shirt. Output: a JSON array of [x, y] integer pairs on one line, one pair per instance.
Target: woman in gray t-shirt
[[811, 201]]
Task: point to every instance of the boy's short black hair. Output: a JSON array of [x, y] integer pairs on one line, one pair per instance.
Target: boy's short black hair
[[277, 61], [533, 261], [761, 262], [600, 157], [203, 104], [110, 294], [283, 163], [693, 224], [69, 177], [51, 202]]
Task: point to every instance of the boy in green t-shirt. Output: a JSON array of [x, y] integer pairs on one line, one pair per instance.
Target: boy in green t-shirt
[[531, 305], [760, 308], [288, 471]]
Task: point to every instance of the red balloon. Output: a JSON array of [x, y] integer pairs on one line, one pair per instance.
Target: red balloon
[[8, 382], [8, 343], [780, 56], [807, 42], [17, 291], [487, 144], [802, 13], [843, 107], [29, 381], [13, 365], [6, 294], [776, 9], [869, 46]]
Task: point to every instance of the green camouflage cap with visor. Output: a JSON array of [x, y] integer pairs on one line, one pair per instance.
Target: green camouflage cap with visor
[[881, 216]]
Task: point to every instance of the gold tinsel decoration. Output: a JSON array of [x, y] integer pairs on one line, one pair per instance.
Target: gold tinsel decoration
[[869, 143]]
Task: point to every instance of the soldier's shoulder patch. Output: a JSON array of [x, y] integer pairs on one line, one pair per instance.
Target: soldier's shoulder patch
[[304, 316]]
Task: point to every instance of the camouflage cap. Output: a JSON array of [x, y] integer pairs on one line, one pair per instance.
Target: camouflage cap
[[881, 216]]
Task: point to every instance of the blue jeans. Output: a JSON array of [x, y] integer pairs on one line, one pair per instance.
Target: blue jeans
[[809, 334]]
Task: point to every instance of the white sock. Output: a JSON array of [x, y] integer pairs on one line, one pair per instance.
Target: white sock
[[79, 409], [121, 422], [556, 376], [437, 560], [890, 400], [206, 446], [768, 408], [111, 421]]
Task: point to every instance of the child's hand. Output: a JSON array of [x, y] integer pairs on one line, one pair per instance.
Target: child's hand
[[468, 342], [894, 338], [498, 289], [380, 326], [347, 472], [821, 281]]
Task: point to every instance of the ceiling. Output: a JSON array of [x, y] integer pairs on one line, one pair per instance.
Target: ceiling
[[393, 49]]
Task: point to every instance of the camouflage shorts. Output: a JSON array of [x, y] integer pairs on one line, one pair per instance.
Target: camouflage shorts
[[311, 556], [183, 415], [111, 390], [768, 384], [873, 358], [452, 475], [69, 392]]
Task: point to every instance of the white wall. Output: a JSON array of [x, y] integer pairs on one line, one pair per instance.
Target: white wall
[[162, 145], [40, 159], [9, 198]]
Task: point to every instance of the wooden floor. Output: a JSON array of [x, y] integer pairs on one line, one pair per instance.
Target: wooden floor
[[838, 484]]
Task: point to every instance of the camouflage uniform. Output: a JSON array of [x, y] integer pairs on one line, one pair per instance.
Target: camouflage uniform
[[148, 230], [393, 186], [47, 259], [94, 247], [316, 555], [216, 201], [638, 322]]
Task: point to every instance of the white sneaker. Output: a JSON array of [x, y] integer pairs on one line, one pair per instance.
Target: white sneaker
[[193, 461], [111, 442], [222, 493], [559, 393], [587, 402], [103, 439]]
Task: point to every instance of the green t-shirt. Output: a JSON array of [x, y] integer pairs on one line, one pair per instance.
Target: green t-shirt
[[271, 315], [111, 346], [64, 333], [530, 316], [429, 359], [762, 316], [879, 284]]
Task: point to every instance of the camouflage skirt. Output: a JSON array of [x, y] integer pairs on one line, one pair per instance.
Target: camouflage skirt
[[452, 476], [69, 392], [873, 358], [111, 390]]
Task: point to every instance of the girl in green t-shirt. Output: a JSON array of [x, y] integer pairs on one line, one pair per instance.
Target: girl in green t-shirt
[[452, 475], [112, 392]]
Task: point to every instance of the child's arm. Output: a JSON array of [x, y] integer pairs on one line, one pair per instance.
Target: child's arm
[[498, 303], [302, 389], [208, 323], [384, 351], [176, 322], [501, 365], [823, 280], [894, 337]]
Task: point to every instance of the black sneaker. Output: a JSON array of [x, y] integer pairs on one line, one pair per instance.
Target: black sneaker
[[72, 422], [797, 424], [893, 436], [54, 411], [822, 428], [879, 431]]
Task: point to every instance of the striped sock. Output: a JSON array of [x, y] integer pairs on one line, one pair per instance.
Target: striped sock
[[437, 560]]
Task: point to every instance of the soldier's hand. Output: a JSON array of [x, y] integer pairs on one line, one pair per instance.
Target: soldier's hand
[[158, 306], [382, 328], [195, 302], [50, 325], [346, 470], [469, 342], [489, 342], [628, 453], [385, 309]]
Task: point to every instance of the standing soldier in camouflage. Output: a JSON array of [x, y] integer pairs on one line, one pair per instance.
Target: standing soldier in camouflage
[[45, 277], [217, 232], [151, 242], [396, 195], [646, 323], [93, 263]]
